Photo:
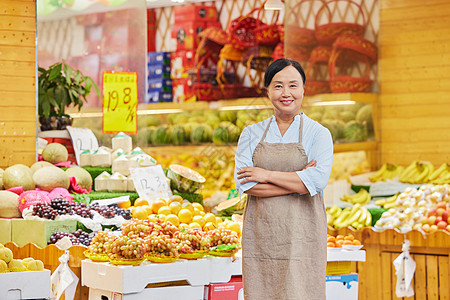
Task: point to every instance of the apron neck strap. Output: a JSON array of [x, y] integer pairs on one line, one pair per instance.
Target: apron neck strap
[[267, 129], [300, 134]]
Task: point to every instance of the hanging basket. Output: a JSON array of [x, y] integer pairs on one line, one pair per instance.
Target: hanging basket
[[278, 52], [281, 33], [258, 56], [320, 55], [327, 33], [214, 34], [267, 34], [302, 36], [241, 31], [348, 48], [207, 91], [298, 53]]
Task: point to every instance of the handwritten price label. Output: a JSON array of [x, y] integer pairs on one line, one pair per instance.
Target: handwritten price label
[[82, 139], [150, 182], [120, 99]]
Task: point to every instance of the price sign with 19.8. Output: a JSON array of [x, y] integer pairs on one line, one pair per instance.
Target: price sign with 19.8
[[120, 102]]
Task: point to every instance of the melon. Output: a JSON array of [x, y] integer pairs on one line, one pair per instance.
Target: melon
[[201, 134], [1, 178], [55, 153], [184, 179], [179, 136], [9, 205], [347, 116], [263, 115], [82, 176], [6, 254], [330, 125], [35, 265], [40, 164], [18, 175], [212, 120], [181, 118], [49, 178], [227, 115], [364, 116], [161, 135], [16, 265], [355, 132], [189, 127], [232, 206]]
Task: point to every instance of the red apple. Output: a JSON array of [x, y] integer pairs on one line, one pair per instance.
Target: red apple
[[448, 228], [431, 220], [445, 215], [442, 225], [433, 228], [431, 212], [438, 219], [441, 205], [439, 211], [426, 227]]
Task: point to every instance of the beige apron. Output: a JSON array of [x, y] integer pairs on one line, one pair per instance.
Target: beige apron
[[284, 237]]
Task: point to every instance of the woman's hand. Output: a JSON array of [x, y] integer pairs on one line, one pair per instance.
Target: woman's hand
[[312, 163], [253, 174]]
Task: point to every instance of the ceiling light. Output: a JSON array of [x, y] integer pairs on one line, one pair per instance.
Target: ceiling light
[[274, 5]]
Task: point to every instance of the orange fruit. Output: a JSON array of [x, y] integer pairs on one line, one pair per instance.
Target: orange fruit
[[339, 237], [234, 226], [347, 242], [157, 204], [330, 244], [219, 220], [176, 198], [164, 210], [140, 202], [185, 215], [331, 239], [125, 204], [349, 237], [198, 206], [183, 225], [339, 243], [152, 217], [356, 242], [147, 208]]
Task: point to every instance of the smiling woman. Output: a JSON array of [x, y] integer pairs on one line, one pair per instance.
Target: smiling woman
[[283, 164]]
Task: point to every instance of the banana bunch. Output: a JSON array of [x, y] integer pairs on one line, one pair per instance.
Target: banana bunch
[[387, 203], [417, 172], [362, 197], [357, 216], [387, 171], [441, 175]]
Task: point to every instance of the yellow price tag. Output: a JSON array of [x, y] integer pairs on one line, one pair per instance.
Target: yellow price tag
[[120, 99]]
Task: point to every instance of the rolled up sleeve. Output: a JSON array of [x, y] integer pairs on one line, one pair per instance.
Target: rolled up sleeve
[[243, 158], [316, 178]]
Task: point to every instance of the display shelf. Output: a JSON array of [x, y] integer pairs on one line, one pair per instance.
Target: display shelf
[[234, 104]]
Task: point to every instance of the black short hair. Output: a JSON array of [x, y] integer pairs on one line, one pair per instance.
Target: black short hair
[[279, 65]]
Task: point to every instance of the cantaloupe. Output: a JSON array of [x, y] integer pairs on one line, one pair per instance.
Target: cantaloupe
[[40, 164], [49, 178], [1, 178], [55, 153], [18, 175], [9, 205], [82, 176]]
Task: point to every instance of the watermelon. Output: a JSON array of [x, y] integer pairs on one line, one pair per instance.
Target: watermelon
[[364, 116], [179, 136], [227, 115], [347, 116], [161, 135], [355, 132], [232, 206], [330, 125], [183, 179], [220, 136], [212, 120], [201, 134]]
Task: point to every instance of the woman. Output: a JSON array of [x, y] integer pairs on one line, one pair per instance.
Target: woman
[[285, 228]]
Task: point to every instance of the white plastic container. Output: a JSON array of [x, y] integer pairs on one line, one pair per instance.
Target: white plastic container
[[25, 285]]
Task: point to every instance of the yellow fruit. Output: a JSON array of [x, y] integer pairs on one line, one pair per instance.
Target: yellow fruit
[[147, 208], [27, 260], [199, 220], [185, 215], [233, 226], [197, 212], [175, 207], [189, 206], [195, 225], [35, 265], [209, 217], [164, 210], [202, 213], [125, 204], [6, 254], [218, 220], [140, 213], [132, 210], [209, 226], [183, 226], [172, 219], [157, 204], [176, 198], [140, 202], [3, 267], [198, 205], [153, 217], [16, 265]]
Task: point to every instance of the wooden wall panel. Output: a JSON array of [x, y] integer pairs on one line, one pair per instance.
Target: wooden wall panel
[[17, 82], [414, 81]]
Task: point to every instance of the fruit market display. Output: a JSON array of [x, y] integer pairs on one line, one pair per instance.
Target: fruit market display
[[388, 202], [9, 264], [356, 216], [416, 173], [159, 241], [425, 209], [78, 237], [340, 241], [362, 197]]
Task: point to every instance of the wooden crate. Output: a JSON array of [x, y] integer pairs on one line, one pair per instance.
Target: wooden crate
[[377, 277]]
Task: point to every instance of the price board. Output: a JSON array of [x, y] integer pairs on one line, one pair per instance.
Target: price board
[[82, 139], [120, 99], [150, 182]]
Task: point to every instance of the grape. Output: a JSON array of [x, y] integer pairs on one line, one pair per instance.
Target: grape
[[78, 237]]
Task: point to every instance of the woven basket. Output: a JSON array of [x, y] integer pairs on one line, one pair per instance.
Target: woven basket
[[327, 33], [281, 32], [241, 31], [258, 56], [207, 91], [319, 55], [267, 34], [278, 52], [302, 36], [298, 53], [343, 54]]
